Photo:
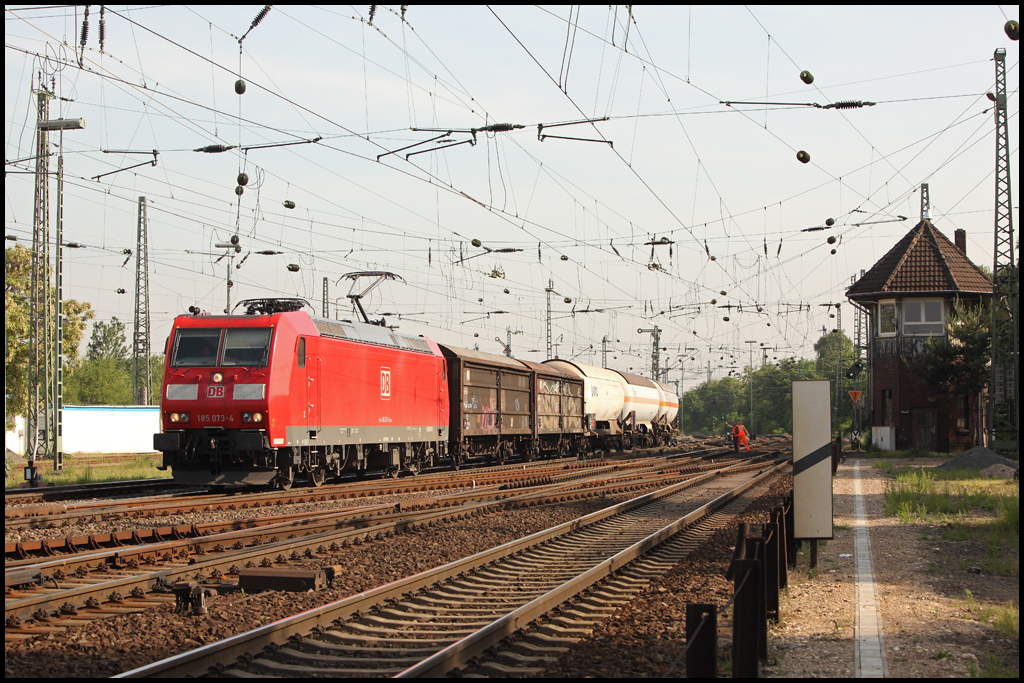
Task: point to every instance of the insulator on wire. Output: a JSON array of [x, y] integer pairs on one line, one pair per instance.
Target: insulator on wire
[[830, 222], [848, 104], [373, 12], [807, 77], [240, 87], [243, 178], [85, 27], [121, 290], [803, 157], [259, 17], [293, 267], [289, 204]]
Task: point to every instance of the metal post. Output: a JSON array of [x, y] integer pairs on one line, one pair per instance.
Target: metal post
[[702, 655], [549, 289], [141, 376], [326, 307], [814, 553], [58, 328], [744, 619], [779, 518], [750, 379], [604, 351], [756, 551], [38, 434], [1004, 410], [771, 563], [791, 543]]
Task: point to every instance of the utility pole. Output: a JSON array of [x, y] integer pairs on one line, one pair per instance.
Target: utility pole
[[141, 378], [326, 307], [235, 248], [839, 364], [604, 351], [46, 367], [549, 290], [655, 347], [709, 372], [750, 379], [39, 388], [1003, 409]]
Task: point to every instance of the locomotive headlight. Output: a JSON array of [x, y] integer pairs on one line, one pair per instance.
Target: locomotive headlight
[[257, 417], [217, 377], [184, 417], [246, 417], [175, 417]]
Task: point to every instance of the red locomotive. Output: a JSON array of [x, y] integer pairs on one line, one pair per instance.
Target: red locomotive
[[262, 398]]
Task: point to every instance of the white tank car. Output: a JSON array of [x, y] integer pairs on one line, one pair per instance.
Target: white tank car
[[602, 392], [671, 405], [640, 395]]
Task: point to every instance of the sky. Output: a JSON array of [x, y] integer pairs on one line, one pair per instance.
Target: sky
[[666, 158]]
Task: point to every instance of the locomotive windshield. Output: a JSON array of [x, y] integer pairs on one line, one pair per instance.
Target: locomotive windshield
[[246, 346], [196, 348], [242, 346]]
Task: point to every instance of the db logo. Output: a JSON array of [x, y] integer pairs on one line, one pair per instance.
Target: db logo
[[385, 383], [215, 392]]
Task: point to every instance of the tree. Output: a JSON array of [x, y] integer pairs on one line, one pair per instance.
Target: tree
[[17, 310], [957, 365], [108, 341]]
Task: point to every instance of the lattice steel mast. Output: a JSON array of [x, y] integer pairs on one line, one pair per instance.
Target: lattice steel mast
[[1004, 411], [40, 387], [141, 377]]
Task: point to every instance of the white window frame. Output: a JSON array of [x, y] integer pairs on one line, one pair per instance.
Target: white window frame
[[909, 328], [895, 311]]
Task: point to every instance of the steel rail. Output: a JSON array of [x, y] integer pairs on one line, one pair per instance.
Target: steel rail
[[225, 561], [196, 662]]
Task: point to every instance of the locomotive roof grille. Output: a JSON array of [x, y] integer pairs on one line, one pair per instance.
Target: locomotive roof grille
[[369, 334]]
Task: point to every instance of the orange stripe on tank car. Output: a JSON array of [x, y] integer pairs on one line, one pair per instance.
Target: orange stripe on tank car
[[639, 399]]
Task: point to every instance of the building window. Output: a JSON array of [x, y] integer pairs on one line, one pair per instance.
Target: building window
[[923, 317], [963, 419], [886, 318]]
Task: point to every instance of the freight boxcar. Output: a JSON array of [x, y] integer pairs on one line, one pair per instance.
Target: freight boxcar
[[560, 425], [490, 403], [603, 397]]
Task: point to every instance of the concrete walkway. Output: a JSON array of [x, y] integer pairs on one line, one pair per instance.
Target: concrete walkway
[[869, 647]]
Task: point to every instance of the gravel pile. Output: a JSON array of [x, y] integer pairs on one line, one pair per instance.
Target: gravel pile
[[977, 458]]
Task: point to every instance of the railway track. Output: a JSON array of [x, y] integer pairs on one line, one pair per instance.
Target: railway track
[[79, 491], [52, 516], [442, 619], [60, 587]]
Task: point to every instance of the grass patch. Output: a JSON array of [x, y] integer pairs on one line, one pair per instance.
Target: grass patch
[[968, 506], [909, 454], [80, 469], [886, 466]]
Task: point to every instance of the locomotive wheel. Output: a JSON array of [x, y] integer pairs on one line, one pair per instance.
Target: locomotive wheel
[[285, 478], [392, 472], [316, 477]]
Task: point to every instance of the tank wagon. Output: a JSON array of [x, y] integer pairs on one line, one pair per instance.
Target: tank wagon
[[278, 395]]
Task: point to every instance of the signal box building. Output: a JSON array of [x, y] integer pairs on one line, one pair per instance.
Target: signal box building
[[908, 295]]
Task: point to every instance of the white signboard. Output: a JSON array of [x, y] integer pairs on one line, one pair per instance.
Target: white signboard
[[812, 460]]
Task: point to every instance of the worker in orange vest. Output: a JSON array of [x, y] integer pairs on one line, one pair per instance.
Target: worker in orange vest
[[739, 434]]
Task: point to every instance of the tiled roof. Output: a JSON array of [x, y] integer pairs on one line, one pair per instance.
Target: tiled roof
[[923, 261]]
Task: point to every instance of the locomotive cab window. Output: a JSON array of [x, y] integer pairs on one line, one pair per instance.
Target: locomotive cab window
[[302, 352], [247, 346], [196, 348]]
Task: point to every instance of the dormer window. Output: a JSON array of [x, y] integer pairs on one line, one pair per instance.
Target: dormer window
[[923, 317]]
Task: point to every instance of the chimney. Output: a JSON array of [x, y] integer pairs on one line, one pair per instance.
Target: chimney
[[960, 240]]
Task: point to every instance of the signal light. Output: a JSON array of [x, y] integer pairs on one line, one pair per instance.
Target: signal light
[[855, 369]]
